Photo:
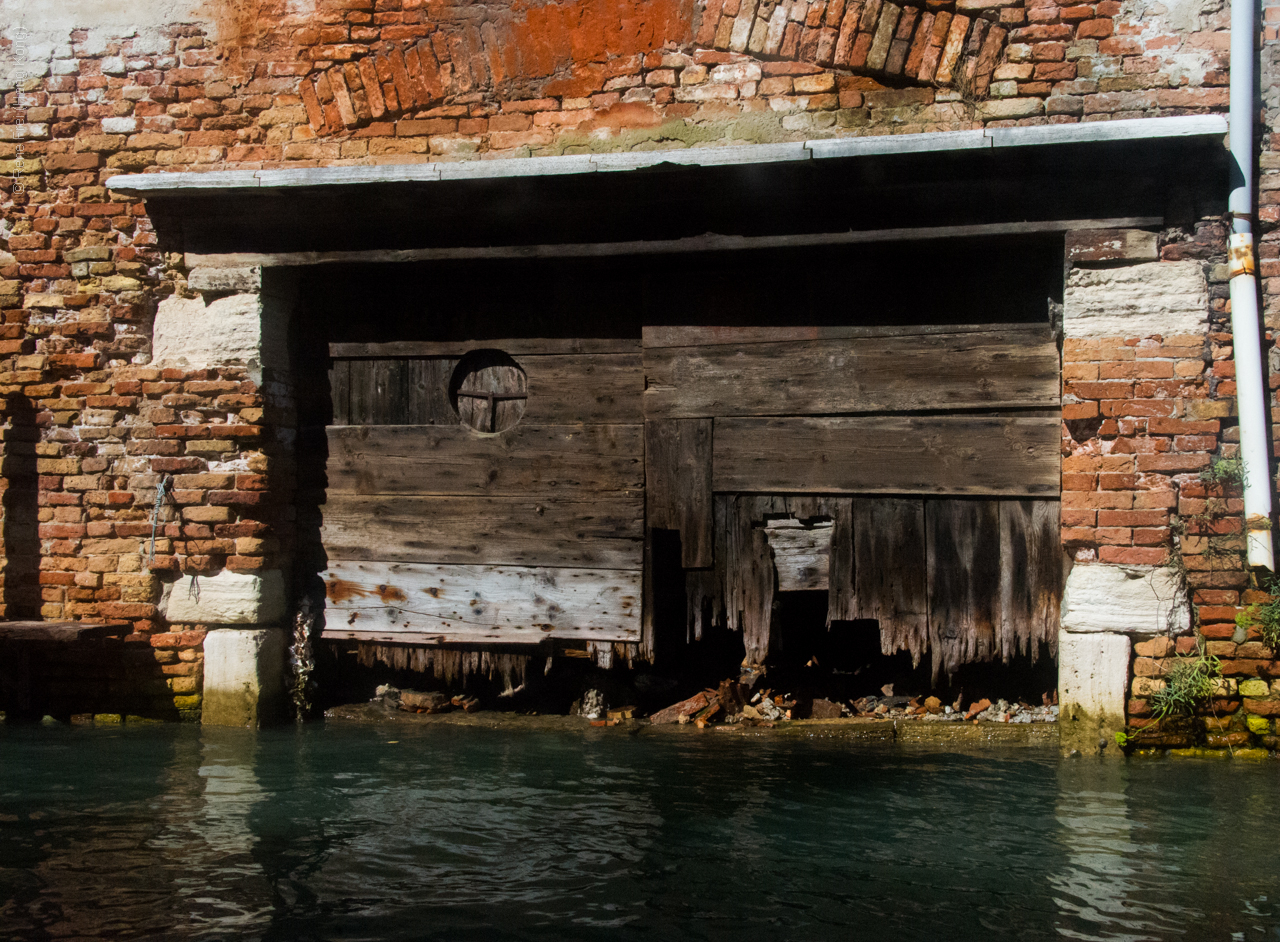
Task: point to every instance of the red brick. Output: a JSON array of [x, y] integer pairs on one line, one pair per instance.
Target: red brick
[[1132, 518], [1079, 482], [1172, 462], [1132, 555]]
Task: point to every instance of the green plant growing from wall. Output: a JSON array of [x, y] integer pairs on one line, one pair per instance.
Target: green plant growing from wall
[[1265, 616], [1223, 471], [1188, 683]]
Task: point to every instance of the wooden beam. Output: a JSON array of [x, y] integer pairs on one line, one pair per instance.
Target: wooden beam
[[60, 632], [988, 369], [485, 604], [515, 346], [691, 335], [955, 454], [710, 242], [604, 532]]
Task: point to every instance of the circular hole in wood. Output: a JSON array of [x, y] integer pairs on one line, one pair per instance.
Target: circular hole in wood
[[489, 391]]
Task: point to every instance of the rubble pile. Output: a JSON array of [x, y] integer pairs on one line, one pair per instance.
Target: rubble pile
[[416, 701], [734, 703]]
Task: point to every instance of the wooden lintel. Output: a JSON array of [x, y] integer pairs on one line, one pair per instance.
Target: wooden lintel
[[710, 242]]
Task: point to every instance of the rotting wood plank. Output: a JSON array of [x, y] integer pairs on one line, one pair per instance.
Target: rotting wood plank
[[678, 485], [801, 554], [526, 461], [890, 572], [491, 604], [594, 533], [961, 454], [963, 547], [1030, 576], [921, 372], [513, 346], [842, 568], [749, 577]]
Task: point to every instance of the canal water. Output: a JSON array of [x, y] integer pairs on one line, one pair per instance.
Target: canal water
[[362, 832]]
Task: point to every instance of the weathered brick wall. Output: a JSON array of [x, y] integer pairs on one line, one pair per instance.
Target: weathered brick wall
[[269, 84]]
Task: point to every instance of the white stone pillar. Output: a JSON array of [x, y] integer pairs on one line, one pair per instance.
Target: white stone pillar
[[1102, 607], [243, 655], [238, 317], [243, 677]]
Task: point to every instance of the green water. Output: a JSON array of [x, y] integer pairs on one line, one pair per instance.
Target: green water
[[333, 832]]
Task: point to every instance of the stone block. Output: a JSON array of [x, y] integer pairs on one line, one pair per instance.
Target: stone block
[[1093, 678], [1164, 298], [238, 330], [225, 279], [229, 598], [1085, 246], [243, 677], [1100, 597], [1254, 687]]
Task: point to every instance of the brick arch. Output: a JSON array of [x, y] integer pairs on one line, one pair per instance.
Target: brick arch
[[580, 47]]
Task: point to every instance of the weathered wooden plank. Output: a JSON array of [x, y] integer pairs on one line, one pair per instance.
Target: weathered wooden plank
[[600, 389], [562, 390], [963, 547], [340, 391], [890, 572], [678, 485], [801, 554], [60, 632], [489, 604], [749, 577], [595, 533], [841, 585], [514, 346], [1030, 576], [526, 461], [427, 390], [703, 336], [979, 455], [939, 372]]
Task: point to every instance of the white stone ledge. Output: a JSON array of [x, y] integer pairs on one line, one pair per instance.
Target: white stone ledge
[[1098, 132]]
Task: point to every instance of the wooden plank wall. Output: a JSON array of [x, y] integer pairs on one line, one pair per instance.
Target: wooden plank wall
[[809, 423], [964, 580], [437, 533]]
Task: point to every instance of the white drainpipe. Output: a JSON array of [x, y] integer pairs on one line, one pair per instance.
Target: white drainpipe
[[1251, 393]]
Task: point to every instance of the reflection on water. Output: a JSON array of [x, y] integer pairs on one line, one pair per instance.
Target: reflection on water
[[444, 833]]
